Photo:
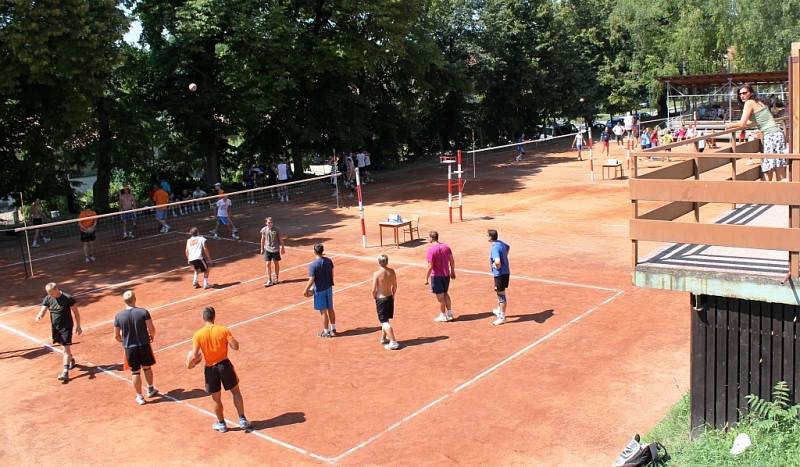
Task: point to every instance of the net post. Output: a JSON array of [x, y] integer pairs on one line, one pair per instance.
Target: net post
[[27, 240], [450, 191], [361, 209], [460, 190], [591, 158], [335, 172]]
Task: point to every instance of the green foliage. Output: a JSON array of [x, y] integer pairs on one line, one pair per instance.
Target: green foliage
[[773, 444], [776, 414]]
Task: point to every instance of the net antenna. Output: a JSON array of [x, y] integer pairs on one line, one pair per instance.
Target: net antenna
[[450, 159]]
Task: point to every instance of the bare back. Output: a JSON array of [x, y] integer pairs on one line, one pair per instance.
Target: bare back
[[384, 282]]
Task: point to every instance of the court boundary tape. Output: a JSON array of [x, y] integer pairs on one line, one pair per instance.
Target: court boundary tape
[[273, 312], [201, 410], [202, 294], [119, 284], [453, 392]]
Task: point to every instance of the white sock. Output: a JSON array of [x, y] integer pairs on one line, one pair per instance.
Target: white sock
[[205, 282], [194, 280], [333, 327]]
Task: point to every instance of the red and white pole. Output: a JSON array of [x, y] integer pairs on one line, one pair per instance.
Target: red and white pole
[[361, 210], [450, 191], [591, 157], [460, 187]]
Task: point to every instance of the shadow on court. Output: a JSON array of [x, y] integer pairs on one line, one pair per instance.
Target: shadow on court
[[422, 340], [358, 331], [184, 395], [224, 286], [289, 418], [91, 372], [28, 354], [474, 316], [539, 317]]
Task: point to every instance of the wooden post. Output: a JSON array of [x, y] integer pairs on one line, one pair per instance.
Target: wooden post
[[696, 205], [634, 214]]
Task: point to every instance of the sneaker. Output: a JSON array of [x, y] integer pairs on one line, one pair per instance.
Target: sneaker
[[220, 426], [130, 235], [166, 228], [392, 346], [332, 333], [269, 283], [235, 237], [93, 258], [442, 318], [64, 376], [46, 239], [244, 423], [152, 392], [162, 229], [34, 245], [215, 237], [496, 311], [276, 281], [323, 334], [195, 285], [207, 286], [450, 316], [87, 259], [500, 320], [140, 399], [383, 341], [72, 364]]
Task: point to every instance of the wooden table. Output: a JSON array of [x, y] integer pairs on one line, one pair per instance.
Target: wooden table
[[396, 226]]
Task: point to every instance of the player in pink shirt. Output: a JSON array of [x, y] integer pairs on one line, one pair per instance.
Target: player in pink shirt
[[441, 268]]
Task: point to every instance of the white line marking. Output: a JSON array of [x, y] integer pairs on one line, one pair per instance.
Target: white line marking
[[474, 380], [19, 263], [115, 375], [200, 295], [484, 273], [274, 312], [119, 284]]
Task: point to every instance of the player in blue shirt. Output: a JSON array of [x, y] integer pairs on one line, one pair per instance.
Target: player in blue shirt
[[498, 258]]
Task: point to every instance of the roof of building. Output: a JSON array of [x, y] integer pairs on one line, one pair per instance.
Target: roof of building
[[724, 78]]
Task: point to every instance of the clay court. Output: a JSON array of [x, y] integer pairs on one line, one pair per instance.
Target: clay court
[[585, 360]]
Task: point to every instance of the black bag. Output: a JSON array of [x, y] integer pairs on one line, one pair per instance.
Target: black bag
[[637, 455]]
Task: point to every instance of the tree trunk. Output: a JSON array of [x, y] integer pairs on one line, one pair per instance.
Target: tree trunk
[[297, 161], [102, 160], [208, 150], [663, 110]]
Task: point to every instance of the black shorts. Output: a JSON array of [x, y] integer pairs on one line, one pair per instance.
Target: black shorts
[[619, 138], [385, 307], [37, 221], [199, 265], [220, 375], [88, 236], [440, 284], [139, 356], [501, 282], [272, 255], [62, 335]]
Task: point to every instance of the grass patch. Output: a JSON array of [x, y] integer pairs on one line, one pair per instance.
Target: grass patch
[[771, 446]]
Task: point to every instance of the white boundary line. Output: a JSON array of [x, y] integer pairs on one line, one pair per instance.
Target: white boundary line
[[119, 284], [200, 295], [274, 312], [201, 410], [474, 380]]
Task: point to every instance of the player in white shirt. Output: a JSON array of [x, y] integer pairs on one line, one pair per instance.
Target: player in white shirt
[[198, 256], [283, 177], [223, 206]]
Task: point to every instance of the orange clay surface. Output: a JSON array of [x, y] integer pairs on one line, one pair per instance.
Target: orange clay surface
[[584, 361]]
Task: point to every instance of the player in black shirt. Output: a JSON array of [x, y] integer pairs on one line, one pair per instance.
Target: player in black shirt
[[62, 309]]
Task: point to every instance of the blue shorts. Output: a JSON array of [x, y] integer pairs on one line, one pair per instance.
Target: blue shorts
[[440, 284], [323, 300], [161, 214], [223, 220], [128, 216]]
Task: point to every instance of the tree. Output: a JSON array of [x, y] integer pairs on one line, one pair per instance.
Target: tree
[[53, 67]]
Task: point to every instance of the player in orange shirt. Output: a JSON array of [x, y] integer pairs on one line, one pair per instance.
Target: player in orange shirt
[[88, 228], [211, 343], [161, 198]]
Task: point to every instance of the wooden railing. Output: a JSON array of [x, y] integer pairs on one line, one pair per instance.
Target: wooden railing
[[680, 187]]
